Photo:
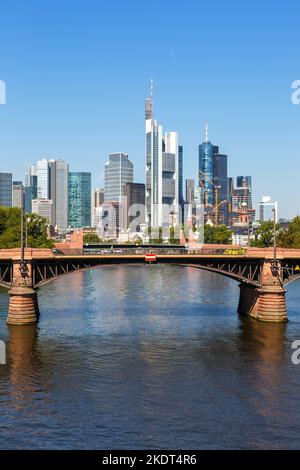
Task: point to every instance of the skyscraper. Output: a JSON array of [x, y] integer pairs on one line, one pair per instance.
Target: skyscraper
[[30, 190], [180, 178], [52, 184], [163, 171], [153, 172], [61, 175], [135, 202], [243, 192], [230, 189], [213, 181], [98, 197], [221, 188], [79, 199], [44, 208], [97, 201], [118, 171], [189, 191], [43, 179], [6, 189], [206, 153], [18, 194]]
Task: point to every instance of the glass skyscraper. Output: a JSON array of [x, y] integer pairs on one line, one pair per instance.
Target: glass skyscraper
[[79, 195], [213, 180], [243, 192], [49, 180], [206, 153], [6, 189], [30, 191], [118, 171], [221, 187]]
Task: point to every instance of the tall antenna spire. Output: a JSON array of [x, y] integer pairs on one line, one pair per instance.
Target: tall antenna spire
[[149, 104], [206, 133]]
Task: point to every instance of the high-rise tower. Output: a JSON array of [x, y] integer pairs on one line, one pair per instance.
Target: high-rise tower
[[163, 171], [213, 180]]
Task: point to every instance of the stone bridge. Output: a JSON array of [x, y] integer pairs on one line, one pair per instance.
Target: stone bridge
[[262, 279]]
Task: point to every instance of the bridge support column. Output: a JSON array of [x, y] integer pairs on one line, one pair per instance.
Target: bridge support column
[[23, 305], [266, 303]]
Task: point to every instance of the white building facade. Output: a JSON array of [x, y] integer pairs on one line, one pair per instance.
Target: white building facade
[[267, 208]]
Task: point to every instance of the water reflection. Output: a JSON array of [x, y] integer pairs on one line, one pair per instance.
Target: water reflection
[[148, 356], [21, 351]]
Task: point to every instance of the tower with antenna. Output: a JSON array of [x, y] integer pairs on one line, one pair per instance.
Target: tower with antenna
[[149, 104], [163, 171], [213, 181]]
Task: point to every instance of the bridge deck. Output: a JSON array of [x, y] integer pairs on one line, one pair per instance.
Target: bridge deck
[[251, 253]]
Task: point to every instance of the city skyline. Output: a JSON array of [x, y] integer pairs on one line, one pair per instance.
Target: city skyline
[[73, 112]]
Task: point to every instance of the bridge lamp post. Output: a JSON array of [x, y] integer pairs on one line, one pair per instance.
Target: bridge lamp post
[[275, 267], [23, 267], [27, 220]]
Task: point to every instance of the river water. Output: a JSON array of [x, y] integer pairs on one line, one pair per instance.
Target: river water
[[138, 357]]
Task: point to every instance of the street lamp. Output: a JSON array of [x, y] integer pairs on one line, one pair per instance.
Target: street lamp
[[27, 220], [23, 266], [274, 267]]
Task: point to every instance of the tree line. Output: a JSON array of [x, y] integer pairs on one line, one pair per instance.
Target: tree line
[[10, 229]]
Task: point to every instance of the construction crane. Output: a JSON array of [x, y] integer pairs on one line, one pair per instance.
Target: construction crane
[[216, 188]]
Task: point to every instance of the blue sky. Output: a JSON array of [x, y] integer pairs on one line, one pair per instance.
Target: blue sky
[[77, 74]]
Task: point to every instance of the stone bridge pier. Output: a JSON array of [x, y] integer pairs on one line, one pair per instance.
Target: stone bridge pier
[[262, 293], [267, 302], [23, 306]]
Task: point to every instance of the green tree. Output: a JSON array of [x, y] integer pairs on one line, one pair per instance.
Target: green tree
[[290, 237], [91, 238], [264, 236], [10, 226], [217, 235]]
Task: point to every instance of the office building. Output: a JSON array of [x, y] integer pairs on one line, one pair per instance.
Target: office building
[[230, 189], [49, 180], [97, 201], [98, 197], [79, 197], [134, 194], [108, 219], [189, 191], [18, 194], [117, 172], [180, 178], [213, 181], [267, 208], [43, 179], [242, 193], [6, 189], [44, 208], [59, 192], [30, 190], [206, 153], [164, 178], [221, 201]]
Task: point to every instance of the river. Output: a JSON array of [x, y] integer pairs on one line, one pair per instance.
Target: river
[[138, 357]]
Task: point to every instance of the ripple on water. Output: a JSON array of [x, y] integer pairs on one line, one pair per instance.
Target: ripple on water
[[148, 357]]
